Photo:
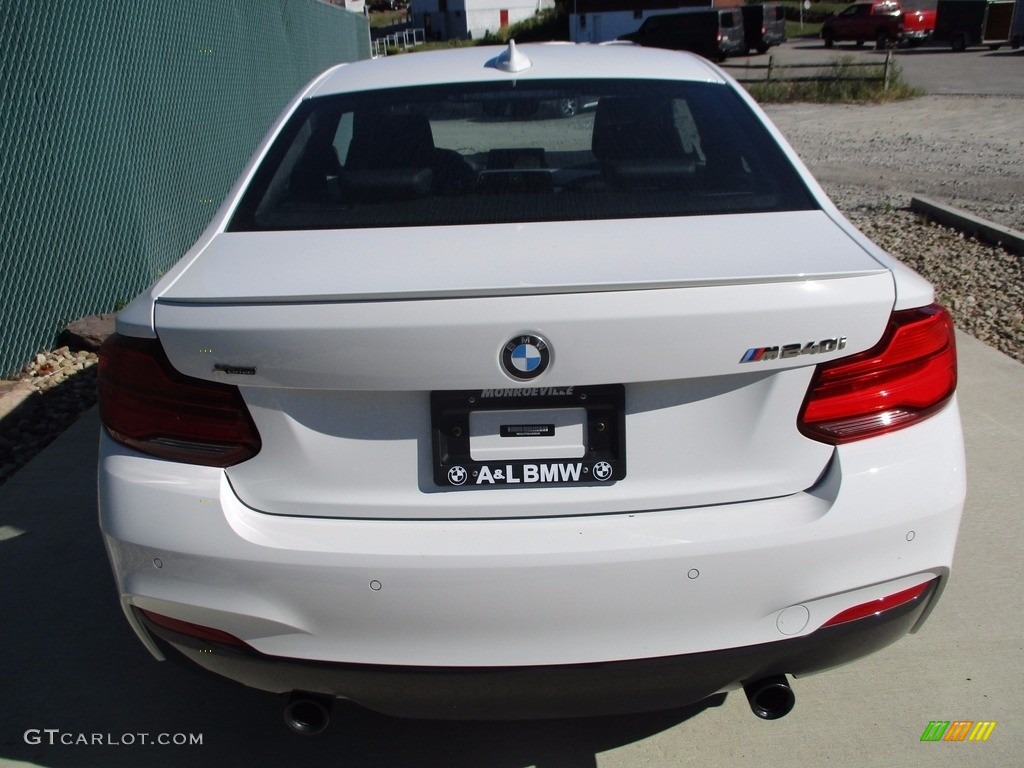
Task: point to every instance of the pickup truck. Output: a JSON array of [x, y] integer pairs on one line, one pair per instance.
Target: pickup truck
[[886, 22]]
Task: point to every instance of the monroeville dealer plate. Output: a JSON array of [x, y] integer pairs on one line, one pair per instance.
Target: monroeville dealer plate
[[528, 436]]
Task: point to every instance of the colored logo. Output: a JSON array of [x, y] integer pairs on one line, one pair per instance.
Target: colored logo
[[785, 351], [958, 730], [525, 357]]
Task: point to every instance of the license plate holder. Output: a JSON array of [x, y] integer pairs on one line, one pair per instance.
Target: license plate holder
[[530, 437]]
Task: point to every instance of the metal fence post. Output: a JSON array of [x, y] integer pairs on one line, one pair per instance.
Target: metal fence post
[[885, 75], [771, 63]]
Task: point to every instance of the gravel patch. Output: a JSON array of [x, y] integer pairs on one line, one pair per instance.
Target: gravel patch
[[964, 151], [983, 286]]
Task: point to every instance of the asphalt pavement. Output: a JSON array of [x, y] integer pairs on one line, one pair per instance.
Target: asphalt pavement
[[79, 690], [932, 68]]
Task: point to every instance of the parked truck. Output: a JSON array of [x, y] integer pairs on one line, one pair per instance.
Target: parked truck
[[965, 23], [886, 22]]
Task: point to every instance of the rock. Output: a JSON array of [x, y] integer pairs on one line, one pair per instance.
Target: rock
[[88, 333]]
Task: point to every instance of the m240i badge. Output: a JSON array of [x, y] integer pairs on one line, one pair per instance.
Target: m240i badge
[[783, 351]]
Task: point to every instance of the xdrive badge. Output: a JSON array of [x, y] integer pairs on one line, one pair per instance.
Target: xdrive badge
[[525, 357]]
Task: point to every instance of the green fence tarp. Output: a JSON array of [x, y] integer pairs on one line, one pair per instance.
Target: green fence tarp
[[124, 124]]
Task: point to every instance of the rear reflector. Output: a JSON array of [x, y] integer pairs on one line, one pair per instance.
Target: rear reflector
[[904, 379], [149, 406], [873, 607], [190, 629]]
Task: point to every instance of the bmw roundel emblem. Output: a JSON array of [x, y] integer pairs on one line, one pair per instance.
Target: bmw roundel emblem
[[525, 357]]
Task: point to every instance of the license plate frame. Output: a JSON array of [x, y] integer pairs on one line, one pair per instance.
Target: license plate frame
[[603, 462]]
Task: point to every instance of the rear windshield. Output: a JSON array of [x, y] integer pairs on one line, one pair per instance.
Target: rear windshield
[[515, 152]]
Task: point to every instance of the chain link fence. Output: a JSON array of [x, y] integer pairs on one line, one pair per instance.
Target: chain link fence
[[125, 122]]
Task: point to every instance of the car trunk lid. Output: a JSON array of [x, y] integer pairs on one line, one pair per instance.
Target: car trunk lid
[[344, 354]]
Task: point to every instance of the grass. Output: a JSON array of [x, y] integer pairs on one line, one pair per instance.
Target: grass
[[818, 12], [812, 18], [387, 18], [551, 24], [841, 82], [435, 45], [795, 32]]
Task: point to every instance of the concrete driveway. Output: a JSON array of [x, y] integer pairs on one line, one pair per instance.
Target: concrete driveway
[[73, 672]]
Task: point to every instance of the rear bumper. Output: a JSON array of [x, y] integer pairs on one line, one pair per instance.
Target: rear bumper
[[721, 595], [543, 692]]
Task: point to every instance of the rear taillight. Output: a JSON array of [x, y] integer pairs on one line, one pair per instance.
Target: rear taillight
[[905, 378], [149, 406]]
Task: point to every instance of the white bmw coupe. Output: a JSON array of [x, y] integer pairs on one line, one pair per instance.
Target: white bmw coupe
[[467, 404]]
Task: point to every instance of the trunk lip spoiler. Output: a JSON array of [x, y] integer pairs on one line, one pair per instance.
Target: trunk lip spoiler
[[495, 292]]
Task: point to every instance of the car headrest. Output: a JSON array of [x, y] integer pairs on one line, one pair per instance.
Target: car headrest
[[635, 128], [390, 141]]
